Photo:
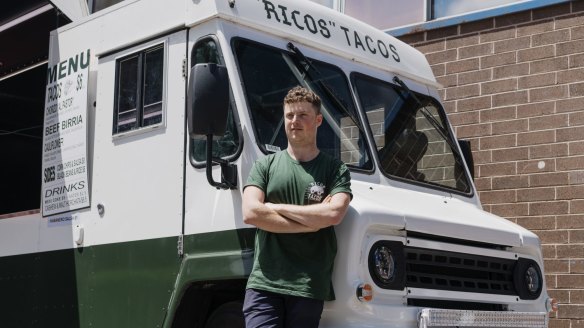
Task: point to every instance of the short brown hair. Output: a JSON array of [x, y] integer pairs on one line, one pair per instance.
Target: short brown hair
[[299, 94]]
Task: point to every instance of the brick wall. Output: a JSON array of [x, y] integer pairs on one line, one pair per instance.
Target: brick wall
[[514, 86]]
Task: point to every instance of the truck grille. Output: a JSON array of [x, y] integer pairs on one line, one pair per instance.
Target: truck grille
[[433, 269]]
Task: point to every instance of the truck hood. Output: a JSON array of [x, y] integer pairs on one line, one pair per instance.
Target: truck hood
[[433, 214]]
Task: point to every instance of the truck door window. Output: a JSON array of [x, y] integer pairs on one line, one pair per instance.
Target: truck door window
[[227, 146], [267, 75], [408, 144], [138, 100]]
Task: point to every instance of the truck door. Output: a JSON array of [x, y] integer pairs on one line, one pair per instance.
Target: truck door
[[138, 164], [213, 216]]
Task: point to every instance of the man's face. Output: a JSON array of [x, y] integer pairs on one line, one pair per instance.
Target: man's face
[[301, 122]]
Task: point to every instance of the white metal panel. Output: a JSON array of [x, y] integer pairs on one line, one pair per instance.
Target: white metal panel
[[124, 24], [58, 231], [74, 10], [461, 296], [20, 234], [442, 246], [449, 217], [138, 177]]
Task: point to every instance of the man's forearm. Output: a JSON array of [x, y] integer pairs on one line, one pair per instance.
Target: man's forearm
[[317, 216], [267, 219], [280, 224]]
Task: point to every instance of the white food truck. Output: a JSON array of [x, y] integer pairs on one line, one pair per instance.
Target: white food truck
[[155, 112]]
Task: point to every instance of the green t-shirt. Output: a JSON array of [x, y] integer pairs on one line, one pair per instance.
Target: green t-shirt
[[298, 264]]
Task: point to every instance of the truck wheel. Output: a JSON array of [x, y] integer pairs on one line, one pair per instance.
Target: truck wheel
[[228, 315]]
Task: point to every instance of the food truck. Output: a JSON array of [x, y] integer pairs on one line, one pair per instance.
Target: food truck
[[155, 112]]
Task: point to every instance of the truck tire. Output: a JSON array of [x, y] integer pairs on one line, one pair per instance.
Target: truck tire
[[228, 315]]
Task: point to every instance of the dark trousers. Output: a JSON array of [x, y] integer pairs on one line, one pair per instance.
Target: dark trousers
[[271, 310]]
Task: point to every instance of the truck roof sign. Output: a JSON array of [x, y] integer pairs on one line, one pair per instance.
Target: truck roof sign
[[329, 30]]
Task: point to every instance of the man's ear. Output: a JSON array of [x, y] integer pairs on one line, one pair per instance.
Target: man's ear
[[318, 119]]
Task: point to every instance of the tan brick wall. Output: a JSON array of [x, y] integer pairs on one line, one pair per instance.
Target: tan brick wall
[[514, 86]]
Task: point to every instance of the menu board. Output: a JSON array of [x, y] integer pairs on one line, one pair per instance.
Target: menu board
[[65, 184]]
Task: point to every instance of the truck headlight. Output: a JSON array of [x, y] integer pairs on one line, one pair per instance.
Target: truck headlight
[[532, 280], [528, 279], [387, 264], [384, 264]]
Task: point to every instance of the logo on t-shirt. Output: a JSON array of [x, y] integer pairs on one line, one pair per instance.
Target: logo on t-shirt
[[315, 192]]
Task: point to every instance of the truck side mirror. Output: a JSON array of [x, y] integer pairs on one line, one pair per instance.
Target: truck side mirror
[[208, 100], [467, 154], [208, 106]]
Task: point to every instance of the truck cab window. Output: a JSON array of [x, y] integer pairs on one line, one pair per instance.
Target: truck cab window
[[207, 51], [268, 73], [410, 140], [139, 84]]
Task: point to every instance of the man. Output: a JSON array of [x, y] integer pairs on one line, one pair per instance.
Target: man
[[294, 197]]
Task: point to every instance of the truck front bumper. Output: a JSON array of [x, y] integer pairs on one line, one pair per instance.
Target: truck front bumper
[[429, 318]]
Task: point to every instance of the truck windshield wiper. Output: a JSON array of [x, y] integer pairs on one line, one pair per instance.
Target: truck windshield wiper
[[322, 84], [442, 131]]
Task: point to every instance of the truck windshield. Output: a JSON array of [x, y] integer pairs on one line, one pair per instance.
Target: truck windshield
[[268, 73], [411, 135]]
